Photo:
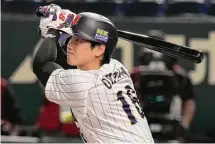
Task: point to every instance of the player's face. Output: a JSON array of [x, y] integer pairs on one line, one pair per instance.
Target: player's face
[[80, 54]]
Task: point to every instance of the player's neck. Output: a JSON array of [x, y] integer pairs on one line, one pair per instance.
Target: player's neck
[[94, 65]]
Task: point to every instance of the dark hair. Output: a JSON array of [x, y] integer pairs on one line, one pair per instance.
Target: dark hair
[[106, 57]]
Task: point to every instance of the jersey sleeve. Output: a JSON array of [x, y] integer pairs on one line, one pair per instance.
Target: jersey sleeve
[[69, 88]]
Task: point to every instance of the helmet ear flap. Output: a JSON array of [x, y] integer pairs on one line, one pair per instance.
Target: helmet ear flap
[[64, 46], [64, 39], [67, 41]]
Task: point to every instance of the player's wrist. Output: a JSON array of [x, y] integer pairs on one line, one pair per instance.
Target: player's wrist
[[53, 33]]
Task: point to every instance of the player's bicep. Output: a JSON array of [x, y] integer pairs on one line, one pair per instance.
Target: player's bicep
[[68, 88]]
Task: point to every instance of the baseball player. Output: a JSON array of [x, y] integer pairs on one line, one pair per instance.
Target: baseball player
[[100, 91]]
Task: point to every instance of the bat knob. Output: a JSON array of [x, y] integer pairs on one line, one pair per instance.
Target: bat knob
[[200, 57], [42, 11]]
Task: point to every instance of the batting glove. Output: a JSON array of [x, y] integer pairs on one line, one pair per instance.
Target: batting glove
[[46, 14], [62, 20], [52, 16]]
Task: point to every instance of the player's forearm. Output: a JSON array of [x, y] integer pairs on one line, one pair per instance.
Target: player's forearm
[[188, 112], [44, 59]]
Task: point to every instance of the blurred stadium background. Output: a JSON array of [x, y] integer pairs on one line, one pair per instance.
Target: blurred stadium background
[[185, 22]]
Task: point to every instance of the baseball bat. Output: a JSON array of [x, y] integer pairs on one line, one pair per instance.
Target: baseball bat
[[170, 49]]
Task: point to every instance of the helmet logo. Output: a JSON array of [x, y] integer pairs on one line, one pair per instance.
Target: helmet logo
[[76, 19], [101, 35]]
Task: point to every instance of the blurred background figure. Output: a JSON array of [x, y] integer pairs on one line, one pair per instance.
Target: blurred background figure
[[165, 91], [10, 111]]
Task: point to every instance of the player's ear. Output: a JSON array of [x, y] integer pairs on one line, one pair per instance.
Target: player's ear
[[100, 49]]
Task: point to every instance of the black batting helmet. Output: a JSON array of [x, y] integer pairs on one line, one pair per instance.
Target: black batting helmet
[[96, 28]]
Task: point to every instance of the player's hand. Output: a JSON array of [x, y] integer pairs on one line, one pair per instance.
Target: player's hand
[[62, 20], [46, 14], [52, 16]]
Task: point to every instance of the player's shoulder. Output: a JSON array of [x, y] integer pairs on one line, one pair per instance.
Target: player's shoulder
[[115, 62], [111, 67]]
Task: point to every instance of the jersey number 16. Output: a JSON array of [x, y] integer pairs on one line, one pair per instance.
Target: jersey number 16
[[130, 92]]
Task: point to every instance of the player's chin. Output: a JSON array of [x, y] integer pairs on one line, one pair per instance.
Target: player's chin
[[71, 61]]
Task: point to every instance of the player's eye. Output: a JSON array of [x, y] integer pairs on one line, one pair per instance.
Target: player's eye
[[80, 40], [73, 40]]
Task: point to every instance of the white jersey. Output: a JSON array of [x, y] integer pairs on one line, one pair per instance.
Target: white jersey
[[103, 102]]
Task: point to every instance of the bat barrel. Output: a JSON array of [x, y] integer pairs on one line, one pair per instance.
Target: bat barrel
[[167, 48]]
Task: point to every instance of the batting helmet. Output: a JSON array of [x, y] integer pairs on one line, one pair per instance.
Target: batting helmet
[[96, 28]]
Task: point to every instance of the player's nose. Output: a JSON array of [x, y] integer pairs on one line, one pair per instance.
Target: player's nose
[[70, 46], [70, 49]]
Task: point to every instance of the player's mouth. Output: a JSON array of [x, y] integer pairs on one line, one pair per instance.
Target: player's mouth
[[70, 53]]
